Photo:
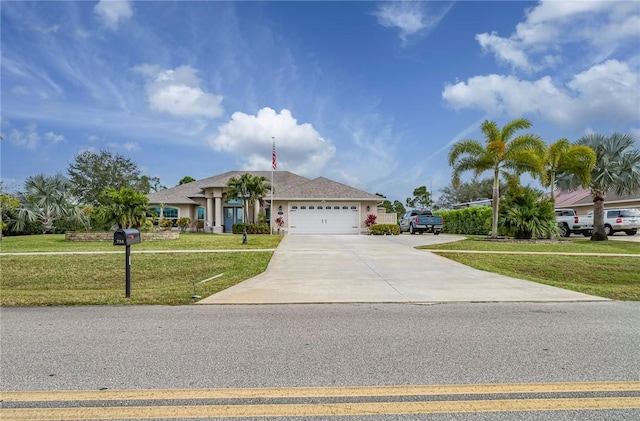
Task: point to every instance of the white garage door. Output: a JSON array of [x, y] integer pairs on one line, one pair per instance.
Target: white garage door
[[324, 218]]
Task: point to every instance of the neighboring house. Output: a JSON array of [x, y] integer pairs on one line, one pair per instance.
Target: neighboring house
[[318, 206], [582, 202]]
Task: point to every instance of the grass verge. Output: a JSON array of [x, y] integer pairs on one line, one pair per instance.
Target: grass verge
[[604, 276], [42, 280]]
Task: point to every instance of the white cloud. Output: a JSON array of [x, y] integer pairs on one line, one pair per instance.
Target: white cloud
[[596, 28], [411, 17], [53, 138], [112, 12], [178, 92], [300, 148], [605, 92], [131, 146], [30, 138]]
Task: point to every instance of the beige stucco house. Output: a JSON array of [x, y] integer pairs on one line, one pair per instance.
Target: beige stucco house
[[307, 206]]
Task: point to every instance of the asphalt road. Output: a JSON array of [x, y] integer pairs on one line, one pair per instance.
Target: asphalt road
[[361, 345]]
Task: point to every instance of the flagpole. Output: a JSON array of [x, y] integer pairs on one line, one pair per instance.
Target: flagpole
[[273, 167]]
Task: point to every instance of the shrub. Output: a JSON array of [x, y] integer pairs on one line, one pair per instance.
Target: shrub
[[525, 215], [183, 223], [475, 220], [251, 228], [370, 221], [166, 223], [384, 229]]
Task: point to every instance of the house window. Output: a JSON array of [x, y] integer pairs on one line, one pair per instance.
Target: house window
[[311, 207], [303, 207], [354, 208], [294, 207], [336, 207], [200, 213], [345, 207], [328, 207]]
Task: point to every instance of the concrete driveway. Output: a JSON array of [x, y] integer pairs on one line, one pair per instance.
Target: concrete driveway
[[377, 269]]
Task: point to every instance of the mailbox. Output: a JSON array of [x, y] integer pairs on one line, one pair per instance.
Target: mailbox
[[126, 237]]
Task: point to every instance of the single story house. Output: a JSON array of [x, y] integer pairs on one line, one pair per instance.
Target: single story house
[[582, 202], [307, 206]]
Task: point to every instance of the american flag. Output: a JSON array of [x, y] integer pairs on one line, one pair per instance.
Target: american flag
[[274, 162]]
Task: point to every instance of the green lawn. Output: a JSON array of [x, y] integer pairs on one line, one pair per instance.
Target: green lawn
[[605, 276], [187, 241], [100, 279]]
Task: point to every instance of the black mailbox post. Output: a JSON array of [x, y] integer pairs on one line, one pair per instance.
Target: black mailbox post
[[127, 237]]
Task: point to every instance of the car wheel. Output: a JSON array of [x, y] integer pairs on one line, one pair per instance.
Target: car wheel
[[631, 232], [436, 232], [608, 230], [564, 230], [411, 230], [586, 233]]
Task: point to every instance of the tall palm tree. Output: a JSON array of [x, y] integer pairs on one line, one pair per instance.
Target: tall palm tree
[[503, 154], [258, 189], [617, 169], [562, 157], [241, 188], [47, 200]]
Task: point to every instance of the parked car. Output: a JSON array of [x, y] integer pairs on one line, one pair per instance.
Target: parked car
[[616, 220], [420, 220], [570, 223]]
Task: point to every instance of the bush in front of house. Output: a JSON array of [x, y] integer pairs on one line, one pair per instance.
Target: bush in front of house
[[475, 220], [262, 228], [183, 223], [384, 229]]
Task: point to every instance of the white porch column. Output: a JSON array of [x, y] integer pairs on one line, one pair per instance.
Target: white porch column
[[209, 215], [218, 219]]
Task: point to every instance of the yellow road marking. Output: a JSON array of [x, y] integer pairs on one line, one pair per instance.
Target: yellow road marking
[[300, 410], [315, 392]]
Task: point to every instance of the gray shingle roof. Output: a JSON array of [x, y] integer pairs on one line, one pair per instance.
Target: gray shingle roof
[[323, 188], [287, 186]]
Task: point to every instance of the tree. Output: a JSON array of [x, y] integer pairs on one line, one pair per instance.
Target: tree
[[399, 208], [617, 169], [386, 204], [561, 157], [186, 179], [148, 184], [91, 173], [8, 204], [421, 198], [502, 154], [525, 215], [125, 207], [467, 192], [45, 201], [258, 189]]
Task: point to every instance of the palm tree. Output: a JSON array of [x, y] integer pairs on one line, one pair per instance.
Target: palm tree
[[240, 188], [502, 153], [126, 207], [258, 189], [46, 200], [562, 157], [617, 169]]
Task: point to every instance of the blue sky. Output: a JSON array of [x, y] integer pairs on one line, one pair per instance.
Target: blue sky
[[371, 94]]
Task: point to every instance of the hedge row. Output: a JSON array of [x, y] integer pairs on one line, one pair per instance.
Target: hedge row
[[384, 229], [262, 228], [475, 220]]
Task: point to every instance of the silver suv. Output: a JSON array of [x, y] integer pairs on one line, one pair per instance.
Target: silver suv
[[616, 220]]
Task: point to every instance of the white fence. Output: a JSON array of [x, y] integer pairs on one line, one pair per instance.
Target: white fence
[[387, 218]]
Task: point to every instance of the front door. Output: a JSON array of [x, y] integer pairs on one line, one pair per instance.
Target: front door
[[232, 215]]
